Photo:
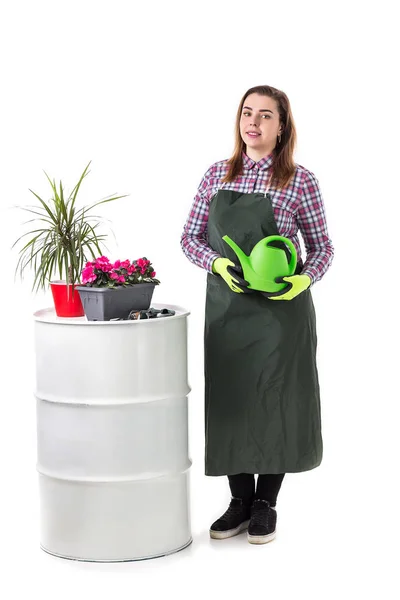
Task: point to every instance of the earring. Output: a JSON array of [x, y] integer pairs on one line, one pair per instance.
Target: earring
[[279, 139]]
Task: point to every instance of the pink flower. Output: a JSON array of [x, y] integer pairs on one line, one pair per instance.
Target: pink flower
[[88, 275], [103, 264], [101, 271], [117, 277], [102, 260]]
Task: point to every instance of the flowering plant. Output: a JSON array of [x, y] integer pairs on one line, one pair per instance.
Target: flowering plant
[[102, 273]]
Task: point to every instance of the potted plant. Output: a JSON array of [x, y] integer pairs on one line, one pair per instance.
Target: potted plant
[[66, 239], [113, 290]]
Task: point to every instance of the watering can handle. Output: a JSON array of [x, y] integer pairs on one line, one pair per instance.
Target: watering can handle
[[293, 258]]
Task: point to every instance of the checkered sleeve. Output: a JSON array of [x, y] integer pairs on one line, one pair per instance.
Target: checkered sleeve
[[194, 237], [311, 221]]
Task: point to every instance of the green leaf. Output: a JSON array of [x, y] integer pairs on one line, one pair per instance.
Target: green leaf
[[45, 206], [87, 208], [76, 188]]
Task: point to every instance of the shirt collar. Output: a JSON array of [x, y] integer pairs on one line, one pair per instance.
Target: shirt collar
[[264, 163]]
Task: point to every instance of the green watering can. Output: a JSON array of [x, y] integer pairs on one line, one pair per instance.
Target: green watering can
[[265, 263]]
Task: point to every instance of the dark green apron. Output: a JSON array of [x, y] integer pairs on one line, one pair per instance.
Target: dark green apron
[[262, 402]]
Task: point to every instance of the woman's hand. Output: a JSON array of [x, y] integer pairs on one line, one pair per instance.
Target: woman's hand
[[227, 269], [299, 283]]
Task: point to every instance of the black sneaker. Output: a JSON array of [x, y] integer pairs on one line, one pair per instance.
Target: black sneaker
[[262, 526], [233, 521]]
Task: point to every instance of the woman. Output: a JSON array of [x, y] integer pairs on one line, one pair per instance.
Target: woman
[[262, 402]]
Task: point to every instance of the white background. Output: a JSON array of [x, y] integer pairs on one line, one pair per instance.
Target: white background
[[149, 93]]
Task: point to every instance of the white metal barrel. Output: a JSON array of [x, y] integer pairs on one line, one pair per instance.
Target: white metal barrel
[[112, 436]]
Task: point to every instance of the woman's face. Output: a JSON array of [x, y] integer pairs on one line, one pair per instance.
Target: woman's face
[[260, 115]]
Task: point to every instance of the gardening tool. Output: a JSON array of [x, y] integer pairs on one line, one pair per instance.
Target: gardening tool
[[265, 263], [151, 313]]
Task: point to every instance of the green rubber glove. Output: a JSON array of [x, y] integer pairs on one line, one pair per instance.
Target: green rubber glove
[[220, 266], [299, 284]]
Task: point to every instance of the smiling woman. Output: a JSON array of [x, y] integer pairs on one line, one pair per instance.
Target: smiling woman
[[262, 397], [254, 125], [266, 111]]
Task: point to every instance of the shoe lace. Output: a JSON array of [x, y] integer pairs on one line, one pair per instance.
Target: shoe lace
[[261, 513], [232, 510]]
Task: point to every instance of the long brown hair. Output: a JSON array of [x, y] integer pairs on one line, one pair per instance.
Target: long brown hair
[[283, 166]]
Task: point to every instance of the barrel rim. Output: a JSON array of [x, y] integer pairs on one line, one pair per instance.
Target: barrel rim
[[48, 315]]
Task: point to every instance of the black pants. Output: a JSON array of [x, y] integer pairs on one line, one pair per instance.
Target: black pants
[[268, 485]]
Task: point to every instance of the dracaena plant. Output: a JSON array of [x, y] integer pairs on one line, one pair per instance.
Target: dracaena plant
[[65, 239]]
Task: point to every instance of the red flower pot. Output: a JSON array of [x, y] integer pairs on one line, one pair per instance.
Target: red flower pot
[[66, 306]]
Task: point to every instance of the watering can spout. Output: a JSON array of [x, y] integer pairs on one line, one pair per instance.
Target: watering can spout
[[243, 258]]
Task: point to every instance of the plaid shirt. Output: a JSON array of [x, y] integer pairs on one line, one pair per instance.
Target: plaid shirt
[[299, 207]]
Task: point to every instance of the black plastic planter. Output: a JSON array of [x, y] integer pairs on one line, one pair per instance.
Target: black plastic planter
[[103, 304]]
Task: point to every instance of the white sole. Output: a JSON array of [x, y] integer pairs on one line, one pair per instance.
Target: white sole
[[261, 539], [221, 535]]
